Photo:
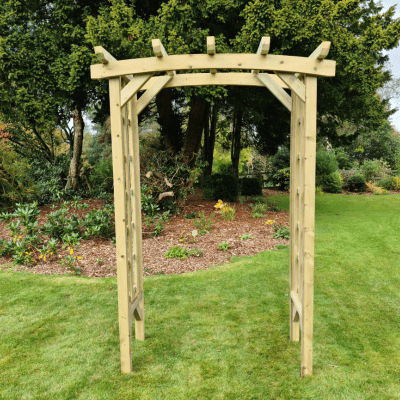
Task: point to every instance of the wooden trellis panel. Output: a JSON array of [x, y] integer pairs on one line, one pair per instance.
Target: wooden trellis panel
[[128, 77]]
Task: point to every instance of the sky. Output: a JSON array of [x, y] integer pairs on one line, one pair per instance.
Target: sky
[[394, 59]]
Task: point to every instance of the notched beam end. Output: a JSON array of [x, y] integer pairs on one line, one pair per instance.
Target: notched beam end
[[158, 48], [264, 45], [210, 45]]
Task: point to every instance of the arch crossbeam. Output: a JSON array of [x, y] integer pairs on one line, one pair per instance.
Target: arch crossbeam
[[192, 62], [293, 83]]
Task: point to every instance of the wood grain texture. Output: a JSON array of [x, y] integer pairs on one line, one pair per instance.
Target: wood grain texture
[[220, 78], [218, 61], [310, 133], [294, 84], [120, 225], [133, 87], [151, 92], [276, 90]]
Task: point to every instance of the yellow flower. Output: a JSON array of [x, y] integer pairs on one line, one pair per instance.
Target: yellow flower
[[269, 222], [71, 252], [79, 257], [44, 258], [19, 237], [220, 204]]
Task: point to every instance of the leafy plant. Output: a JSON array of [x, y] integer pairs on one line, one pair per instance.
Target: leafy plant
[[99, 223], [259, 208], [257, 215], [190, 215], [203, 224], [176, 252], [195, 252], [374, 168], [356, 183], [246, 236], [281, 231], [224, 246], [376, 189], [332, 183], [227, 212], [70, 262]]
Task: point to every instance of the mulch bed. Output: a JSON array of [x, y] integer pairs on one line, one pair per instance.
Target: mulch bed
[[99, 256]]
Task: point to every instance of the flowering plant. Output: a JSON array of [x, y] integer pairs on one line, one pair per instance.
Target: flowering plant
[[227, 212]]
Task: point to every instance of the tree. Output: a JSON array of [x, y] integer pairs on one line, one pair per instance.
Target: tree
[[358, 30], [44, 63]]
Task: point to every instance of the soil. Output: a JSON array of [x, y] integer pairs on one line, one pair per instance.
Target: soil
[[99, 255]]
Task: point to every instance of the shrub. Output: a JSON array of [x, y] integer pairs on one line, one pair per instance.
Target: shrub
[[343, 159], [250, 187], [374, 169], [347, 174], [221, 186], [326, 163], [356, 183], [282, 178], [279, 161], [389, 183], [332, 183], [15, 185]]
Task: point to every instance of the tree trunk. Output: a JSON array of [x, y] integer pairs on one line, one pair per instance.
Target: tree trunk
[[168, 121], [73, 175], [209, 141], [197, 118], [235, 147]]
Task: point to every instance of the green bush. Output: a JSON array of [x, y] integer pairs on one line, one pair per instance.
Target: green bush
[[278, 162], [356, 183], [389, 183], [332, 183], [101, 176], [326, 163], [250, 187], [373, 169], [343, 159], [221, 187], [281, 178]]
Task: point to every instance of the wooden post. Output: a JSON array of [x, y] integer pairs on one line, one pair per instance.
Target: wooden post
[[137, 218], [294, 215], [121, 235], [307, 298]]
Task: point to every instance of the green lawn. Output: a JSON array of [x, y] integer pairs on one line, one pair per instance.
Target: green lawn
[[220, 333]]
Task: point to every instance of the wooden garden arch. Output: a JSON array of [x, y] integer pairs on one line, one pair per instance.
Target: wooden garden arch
[[128, 77]]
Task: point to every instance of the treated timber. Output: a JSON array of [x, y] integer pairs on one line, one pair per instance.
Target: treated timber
[[211, 50], [294, 215], [133, 87], [307, 300], [222, 79], [160, 51], [151, 92], [138, 312], [120, 225], [218, 61], [294, 84], [276, 90], [263, 49], [105, 57]]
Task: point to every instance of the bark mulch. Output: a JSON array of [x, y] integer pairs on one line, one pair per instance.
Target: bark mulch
[[99, 258]]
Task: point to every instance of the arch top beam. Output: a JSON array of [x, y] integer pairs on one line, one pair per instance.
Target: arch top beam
[[308, 66]]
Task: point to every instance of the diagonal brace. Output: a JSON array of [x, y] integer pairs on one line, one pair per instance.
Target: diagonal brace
[[152, 91], [276, 90], [294, 84]]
